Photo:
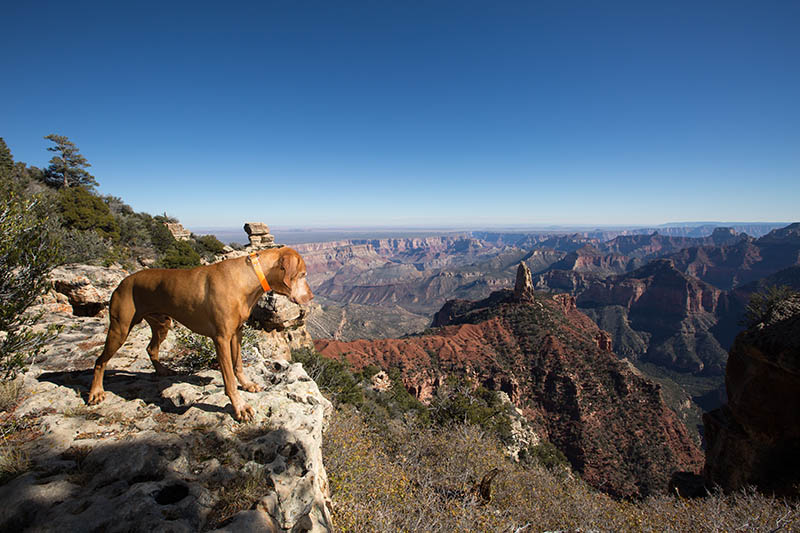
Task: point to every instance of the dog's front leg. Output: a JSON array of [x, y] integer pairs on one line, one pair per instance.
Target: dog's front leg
[[242, 411], [238, 369]]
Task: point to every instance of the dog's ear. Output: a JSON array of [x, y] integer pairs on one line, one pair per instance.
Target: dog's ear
[[289, 263]]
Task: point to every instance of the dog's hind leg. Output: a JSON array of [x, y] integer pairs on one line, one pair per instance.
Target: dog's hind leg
[[238, 368], [122, 319], [159, 325]]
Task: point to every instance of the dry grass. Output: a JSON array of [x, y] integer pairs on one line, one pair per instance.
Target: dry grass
[[10, 391], [14, 460], [239, 494], [427, 482]]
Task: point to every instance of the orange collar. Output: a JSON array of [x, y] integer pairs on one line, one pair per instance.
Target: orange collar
[[259, 272]]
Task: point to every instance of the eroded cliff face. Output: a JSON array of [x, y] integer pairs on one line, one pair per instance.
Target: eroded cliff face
[[741, 262], [755, 438], [557, 367], [380, 260], [589, 259], [655, 313]]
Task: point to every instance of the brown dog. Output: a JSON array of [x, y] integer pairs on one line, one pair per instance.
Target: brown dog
[[213, 300]]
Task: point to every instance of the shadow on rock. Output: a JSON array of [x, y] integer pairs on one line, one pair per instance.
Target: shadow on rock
[[192, 481], [129, 385]]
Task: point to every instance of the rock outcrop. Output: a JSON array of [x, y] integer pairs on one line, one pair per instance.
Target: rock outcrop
[[178, 231], [162, 453], [259, 235], [755, 438], [87, 288], [279, 326], [555, 365], [523, 287]]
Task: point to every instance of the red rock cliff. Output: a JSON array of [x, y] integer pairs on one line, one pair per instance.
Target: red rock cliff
[[556, 366]]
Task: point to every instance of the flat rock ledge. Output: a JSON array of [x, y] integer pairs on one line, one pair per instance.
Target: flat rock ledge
[[165, 454]]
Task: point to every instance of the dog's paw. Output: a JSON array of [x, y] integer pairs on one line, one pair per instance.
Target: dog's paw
[[96, 397], [245, 414], [252, 387], [162, 370]]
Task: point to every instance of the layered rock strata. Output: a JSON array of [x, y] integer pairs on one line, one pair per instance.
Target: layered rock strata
[[178, 231], [259, 236]]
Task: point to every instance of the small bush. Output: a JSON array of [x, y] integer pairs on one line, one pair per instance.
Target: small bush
[[193, 352], [332, 376], [28, 250], [211, 244], [458, 403], [83, 246], [180, 255], [763, 303], [239, 494], [545, 454], [9, 393]]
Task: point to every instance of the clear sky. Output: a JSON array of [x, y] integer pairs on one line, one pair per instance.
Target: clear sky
[[389, 112]]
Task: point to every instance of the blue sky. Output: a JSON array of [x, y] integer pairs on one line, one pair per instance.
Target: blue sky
[[437, 113]]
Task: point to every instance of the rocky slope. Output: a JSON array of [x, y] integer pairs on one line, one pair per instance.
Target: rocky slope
[[328, 320], [161, 453], [755, 438], [558, 367]]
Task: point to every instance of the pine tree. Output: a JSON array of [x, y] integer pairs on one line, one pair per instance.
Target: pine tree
[[69, 167], [6, 160]]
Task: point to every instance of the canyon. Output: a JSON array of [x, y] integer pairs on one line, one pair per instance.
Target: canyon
[[671, 298], [557, 367]]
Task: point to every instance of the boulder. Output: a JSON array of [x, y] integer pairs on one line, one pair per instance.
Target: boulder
[[178, 231], [259, 236], [87, 288]]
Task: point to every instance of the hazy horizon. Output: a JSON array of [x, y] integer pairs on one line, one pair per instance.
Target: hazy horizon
[[298, 235]]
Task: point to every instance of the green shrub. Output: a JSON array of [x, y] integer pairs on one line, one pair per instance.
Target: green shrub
[[193, 352], [763, 303], [82, 246], [458, 403], [160, 237], [211, 244], [172, 253], [82, 210], [180, 255], [332, 376], [544, 454], [28, 250]]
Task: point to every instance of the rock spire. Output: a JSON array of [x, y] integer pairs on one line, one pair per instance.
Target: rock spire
[[523, 288]]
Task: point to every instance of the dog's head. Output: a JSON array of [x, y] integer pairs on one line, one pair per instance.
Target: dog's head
[[293, 276]]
